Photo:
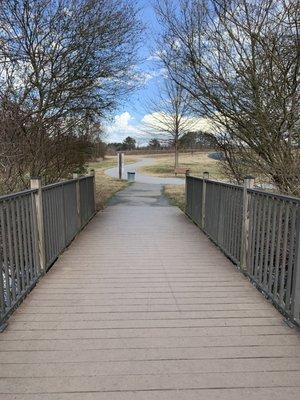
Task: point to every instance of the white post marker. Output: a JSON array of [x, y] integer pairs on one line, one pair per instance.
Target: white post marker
[[120, 164]]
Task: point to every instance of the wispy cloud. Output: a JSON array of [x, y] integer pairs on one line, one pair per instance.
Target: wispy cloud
[[144, 77], [196, 124], [155, 56]]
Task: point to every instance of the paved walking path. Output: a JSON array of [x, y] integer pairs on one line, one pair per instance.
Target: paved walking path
[[142, 306], [142, 178]]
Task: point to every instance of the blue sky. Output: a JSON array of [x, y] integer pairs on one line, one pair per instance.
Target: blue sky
[[129, 115]]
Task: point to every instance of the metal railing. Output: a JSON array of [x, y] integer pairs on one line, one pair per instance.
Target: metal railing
[[87, 197], [258, 231], [35, 227]]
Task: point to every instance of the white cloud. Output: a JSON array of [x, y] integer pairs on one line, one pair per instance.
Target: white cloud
[[122, 126], [123, 120], [203, 124]]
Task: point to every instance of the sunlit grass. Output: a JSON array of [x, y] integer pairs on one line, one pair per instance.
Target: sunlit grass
[[197, 163], [112, 161], [176, 195], [106, 187]]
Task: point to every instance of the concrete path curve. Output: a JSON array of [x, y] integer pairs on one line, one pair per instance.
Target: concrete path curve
[[142, 178]]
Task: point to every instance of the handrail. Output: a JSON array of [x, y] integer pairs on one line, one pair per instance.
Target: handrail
[[36, 225], [259, 231], [17, 194], [254, 190]]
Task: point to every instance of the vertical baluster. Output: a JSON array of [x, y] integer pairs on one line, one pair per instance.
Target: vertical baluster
[[15, 246], [295, 306], [35, 238], [28, 239], [23, 223], [284, 254], [272, 252], [266, 272], [291, 260], [12, 280], [278, 248], [262, 240], [4, 277]]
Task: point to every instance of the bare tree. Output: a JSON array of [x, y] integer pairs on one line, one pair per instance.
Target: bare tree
[[170, 117], [240, 60], [63, 65]]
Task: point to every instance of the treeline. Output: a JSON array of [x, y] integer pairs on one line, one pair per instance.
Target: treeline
[[239, 63], [63, 66], [188, 141]]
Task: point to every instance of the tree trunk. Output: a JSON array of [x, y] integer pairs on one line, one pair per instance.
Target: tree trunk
[[176, 154]]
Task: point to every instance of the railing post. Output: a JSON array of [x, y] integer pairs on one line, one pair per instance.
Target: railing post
[[296, 275], [36, 183], [2, 301], [64, 214], [248, 184], [205, 177], [185, 190], [92, 173], [76, 176]]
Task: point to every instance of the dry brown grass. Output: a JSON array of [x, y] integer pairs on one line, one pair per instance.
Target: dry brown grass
[[176, 195], [106, 187], [112, 161], [197, 163]]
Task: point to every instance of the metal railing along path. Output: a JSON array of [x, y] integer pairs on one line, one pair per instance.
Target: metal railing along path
[[258, 231], [36, 225]]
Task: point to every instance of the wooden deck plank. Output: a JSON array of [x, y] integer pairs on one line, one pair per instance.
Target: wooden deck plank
[[224, 394], [132, 382], [151, 367], [143, 306]]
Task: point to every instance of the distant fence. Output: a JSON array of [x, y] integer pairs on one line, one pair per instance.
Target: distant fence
[[35, 227], [258, 231]]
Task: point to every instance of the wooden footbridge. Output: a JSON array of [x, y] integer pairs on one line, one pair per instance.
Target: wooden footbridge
[[143, 305]]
